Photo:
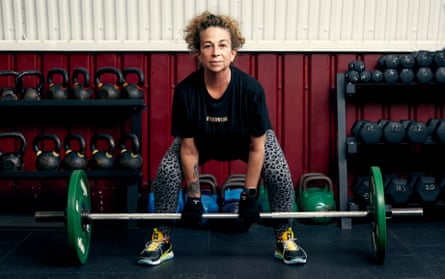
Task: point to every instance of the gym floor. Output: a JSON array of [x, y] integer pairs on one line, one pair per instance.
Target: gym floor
[[415, 249]]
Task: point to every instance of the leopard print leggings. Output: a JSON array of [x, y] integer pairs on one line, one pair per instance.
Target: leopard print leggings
[[275, 174]]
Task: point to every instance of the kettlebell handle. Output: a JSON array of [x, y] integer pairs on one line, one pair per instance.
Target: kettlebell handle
[[20, 137], [67, 142], [208, 181], [317, 177], [84, 73], [48, 136], [9, 73], [110, 70], [139, 74], [57, 71], [20, 76], [135, 145], [101, 136]]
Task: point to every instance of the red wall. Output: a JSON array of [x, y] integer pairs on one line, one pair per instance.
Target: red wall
[[300, 90]]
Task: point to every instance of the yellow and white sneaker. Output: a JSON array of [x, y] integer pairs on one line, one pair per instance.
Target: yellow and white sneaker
[[288, 250], [157, 250]]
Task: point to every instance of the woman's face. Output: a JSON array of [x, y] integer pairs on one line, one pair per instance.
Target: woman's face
[[216, 51]]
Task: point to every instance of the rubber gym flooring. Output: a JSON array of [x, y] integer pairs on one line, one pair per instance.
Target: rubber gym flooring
[[415, 249]]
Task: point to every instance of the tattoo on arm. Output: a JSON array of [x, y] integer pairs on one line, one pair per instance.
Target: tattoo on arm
[[194, 187]]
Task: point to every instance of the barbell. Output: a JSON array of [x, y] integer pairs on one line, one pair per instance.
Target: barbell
[[78, 217]]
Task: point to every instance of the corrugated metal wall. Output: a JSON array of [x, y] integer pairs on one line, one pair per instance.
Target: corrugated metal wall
[[279, 25], [300, 92]]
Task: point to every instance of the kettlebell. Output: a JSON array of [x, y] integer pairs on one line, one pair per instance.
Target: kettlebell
[[102, 159], [74, 159], [133, 90], [30, 93], [81, 91], [13, 161], [316, 194], [57, 91], [9, 93], [108, 90], [129, 157], [47, 159]]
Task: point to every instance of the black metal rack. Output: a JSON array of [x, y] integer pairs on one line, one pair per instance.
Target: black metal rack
[[68, 112], [369, 93]]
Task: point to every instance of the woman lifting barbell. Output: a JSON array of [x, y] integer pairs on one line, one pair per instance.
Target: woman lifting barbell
[[219, 113]]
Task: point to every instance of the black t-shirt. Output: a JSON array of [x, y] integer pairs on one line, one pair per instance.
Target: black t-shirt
[[221, 128]]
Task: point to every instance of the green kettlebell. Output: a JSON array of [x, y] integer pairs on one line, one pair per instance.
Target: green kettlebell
[[316, 194]]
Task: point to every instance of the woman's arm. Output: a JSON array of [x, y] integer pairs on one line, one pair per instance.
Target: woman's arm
[[190, 163]]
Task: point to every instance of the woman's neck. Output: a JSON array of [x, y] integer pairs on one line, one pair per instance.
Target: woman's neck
[[217, 83]]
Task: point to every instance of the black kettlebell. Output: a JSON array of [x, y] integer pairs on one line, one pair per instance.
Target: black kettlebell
[[58, 91], [13, 161], [133, 90], [74, 159], [81, 91], [108, 90], [129, 158], [102, 159], [30, 93], [8, 93], [47, 159]]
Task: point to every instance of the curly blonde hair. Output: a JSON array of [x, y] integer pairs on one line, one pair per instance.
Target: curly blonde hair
[[201, 22]]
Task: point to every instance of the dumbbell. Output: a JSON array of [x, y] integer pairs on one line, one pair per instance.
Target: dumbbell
[[388, 61], [439, 58], [416, 131], [352, 76], [376, 75], [424, 75], [431, 125], [390, 75], [426, 188], [437, 129], [406, 75], [356, 65], [407, 60], [440, 74], [398, 190], [360, 189], [366, 76], [367, 131], [393, 131], [424, 58]]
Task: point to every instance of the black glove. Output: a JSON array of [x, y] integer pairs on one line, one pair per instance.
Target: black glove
[[192, 212], [248, 208]]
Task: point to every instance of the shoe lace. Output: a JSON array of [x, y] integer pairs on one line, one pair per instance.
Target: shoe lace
[[290, 245], [289, 241], [155, 242], [153, 245]]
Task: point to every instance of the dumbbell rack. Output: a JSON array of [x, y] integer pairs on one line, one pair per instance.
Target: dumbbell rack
[[83, 113], [363, 93]]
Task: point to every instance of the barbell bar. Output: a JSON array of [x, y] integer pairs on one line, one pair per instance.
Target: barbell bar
[[60, 216], [78, 217]]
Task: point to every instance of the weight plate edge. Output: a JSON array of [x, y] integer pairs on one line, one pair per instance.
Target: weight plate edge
[[78, 201], [378, 222]]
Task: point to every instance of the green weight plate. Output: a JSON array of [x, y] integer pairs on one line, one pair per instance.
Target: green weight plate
[[79, 202], [378, 213]]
